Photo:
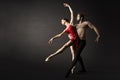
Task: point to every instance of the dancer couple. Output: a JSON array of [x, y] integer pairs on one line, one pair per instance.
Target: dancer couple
[[77, 38]]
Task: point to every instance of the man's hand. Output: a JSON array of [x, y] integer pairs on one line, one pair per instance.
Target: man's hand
[[66, 5], [50, 41]]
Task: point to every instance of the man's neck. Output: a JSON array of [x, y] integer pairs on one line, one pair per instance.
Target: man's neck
[[80, 21]]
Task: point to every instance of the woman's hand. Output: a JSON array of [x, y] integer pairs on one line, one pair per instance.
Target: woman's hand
[[50, 41], [66, 5]]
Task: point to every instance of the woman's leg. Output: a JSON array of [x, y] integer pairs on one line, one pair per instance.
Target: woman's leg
[[72, 52], [69, 43], [73, 56]]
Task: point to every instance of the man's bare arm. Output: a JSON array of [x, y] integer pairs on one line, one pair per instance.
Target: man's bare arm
[[95, 29]]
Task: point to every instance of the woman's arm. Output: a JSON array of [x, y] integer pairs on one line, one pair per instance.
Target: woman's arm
[[71, 12], [57, 36]]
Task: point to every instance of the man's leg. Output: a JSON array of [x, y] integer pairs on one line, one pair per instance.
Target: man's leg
[[72, 65], [82, 64], [80, 60], [79, 50]]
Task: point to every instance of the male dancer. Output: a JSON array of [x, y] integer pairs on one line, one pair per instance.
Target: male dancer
[[81, 30]]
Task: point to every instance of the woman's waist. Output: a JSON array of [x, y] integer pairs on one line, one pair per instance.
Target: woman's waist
[[73, 36]]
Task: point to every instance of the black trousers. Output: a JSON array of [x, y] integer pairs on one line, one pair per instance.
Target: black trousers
[[81, 46]]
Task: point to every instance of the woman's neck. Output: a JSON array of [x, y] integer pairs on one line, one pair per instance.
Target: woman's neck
[[67, 24]]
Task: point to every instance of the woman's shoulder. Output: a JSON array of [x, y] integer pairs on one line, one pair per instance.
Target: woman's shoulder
[[70, 25]]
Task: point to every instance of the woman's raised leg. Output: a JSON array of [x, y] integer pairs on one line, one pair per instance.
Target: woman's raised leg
[[69, 43]]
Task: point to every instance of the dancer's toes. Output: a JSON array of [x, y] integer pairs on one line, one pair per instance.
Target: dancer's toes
[[72, 71], [47, 59]]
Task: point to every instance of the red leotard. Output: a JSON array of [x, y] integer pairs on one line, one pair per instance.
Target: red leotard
[[72, 34]]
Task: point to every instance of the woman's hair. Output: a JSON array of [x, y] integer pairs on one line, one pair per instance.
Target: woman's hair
[[66, 19]]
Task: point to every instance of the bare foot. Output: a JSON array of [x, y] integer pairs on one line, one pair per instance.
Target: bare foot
[[47, 59]]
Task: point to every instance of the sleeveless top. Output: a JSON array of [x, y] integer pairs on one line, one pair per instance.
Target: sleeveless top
[[72, 34]]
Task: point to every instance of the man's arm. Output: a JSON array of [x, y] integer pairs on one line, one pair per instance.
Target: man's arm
[[71, 12], [95, 29], [57, 36]]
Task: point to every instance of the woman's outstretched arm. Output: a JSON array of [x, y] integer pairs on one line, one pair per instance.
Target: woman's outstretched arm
[[56, 36]]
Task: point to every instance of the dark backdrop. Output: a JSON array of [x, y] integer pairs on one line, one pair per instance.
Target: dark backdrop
[[27, 25]]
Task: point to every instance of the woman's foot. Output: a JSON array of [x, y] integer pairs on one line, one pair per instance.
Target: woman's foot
[[47, 59], [72, 70]]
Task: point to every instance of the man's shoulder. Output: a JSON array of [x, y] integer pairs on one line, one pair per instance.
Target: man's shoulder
[[86, 22]]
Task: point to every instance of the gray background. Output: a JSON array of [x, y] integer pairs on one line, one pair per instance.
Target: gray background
[[27, 25]]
